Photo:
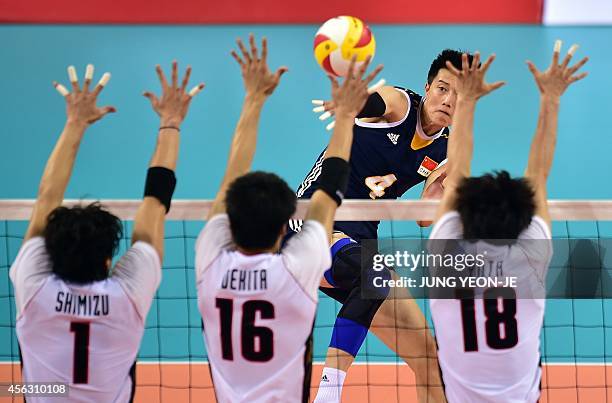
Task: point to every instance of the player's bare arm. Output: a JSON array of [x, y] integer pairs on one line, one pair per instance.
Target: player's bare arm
[[259, 84], [349, 99], [433, 189], [81, 112], [470, 87], [551, 83], [172, 107]]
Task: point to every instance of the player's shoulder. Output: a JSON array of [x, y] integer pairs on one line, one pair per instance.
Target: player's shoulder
[[415, 97], [216, 232], [448, 226], [537, 229], [139, 254]]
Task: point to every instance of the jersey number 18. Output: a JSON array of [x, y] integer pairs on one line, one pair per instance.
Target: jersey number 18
[[496, 319]]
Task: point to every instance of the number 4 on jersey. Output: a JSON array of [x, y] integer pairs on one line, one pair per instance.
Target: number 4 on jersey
[[378, 184]]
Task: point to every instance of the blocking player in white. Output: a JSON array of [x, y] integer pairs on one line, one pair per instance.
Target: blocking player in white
[[79, 320], [258, 302], [489, 346]]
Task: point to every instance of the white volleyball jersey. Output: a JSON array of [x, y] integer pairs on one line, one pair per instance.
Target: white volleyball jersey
[[489, 349], [84, 335], [258, 313]]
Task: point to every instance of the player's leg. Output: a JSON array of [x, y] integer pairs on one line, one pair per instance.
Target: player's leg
[[397, 321], [353, 320], [401, 325]]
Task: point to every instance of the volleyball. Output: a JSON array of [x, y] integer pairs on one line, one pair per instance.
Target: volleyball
[[338, 40]]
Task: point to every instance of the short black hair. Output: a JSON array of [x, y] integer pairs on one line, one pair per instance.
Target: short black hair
[[495, 206], [451, 55], [259, 204], [80, 240]]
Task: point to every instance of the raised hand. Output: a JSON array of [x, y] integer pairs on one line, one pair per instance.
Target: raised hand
[[471, 78], [350, 97], [81, 103], [555, 80], [174, 103], [328, 107], [258, 79]]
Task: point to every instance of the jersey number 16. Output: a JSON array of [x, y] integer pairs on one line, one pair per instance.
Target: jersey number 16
[[249, 333]]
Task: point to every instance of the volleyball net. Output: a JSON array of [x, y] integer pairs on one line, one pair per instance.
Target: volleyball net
[[576, 339]]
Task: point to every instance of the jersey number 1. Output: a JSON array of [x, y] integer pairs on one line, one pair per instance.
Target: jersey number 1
[[80, 358], [249, 333], [495, 319]]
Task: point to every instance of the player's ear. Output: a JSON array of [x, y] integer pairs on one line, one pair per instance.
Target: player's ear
[[427, 87], [109, 262]]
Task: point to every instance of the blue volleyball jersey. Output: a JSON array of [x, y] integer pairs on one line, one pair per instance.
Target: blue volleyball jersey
[[387, 159]]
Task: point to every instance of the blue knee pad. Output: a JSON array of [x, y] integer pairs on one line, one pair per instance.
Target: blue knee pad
[[348, 336], [336, 247]]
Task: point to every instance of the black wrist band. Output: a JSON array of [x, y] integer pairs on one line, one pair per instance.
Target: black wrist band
[[334, 178], [160, 184], [170, 127]]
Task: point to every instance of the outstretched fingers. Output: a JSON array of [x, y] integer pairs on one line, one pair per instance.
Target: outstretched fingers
[[253, 47], [496, 85], [368, 79], [580, 76], [569, 55], [74, 80], [63, 91], [151, 97], [195, 90], [101, 84], [532, 68], [556, 52], [237, 58], [453, 70], [174, 74], [186, 78], [487, 63], [465, 66], [89, 72], [350, 74], [245, 53], [162, 77], [363, 67], [281, 70], [475, 65], [104, 110], [334, 81], [577, 66], [264, 49]]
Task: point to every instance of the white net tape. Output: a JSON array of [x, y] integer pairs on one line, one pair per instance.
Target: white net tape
[[351, 210]]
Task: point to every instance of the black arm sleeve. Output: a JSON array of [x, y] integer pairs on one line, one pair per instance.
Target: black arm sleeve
[[375, 107]]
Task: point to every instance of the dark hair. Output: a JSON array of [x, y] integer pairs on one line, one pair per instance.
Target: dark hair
[[494, 206], [259, 205], [80, 240], [451, 55]]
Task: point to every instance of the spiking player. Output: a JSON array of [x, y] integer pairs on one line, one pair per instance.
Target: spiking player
[[498, 358], [77, 323], [400, 138], [258, 302]]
